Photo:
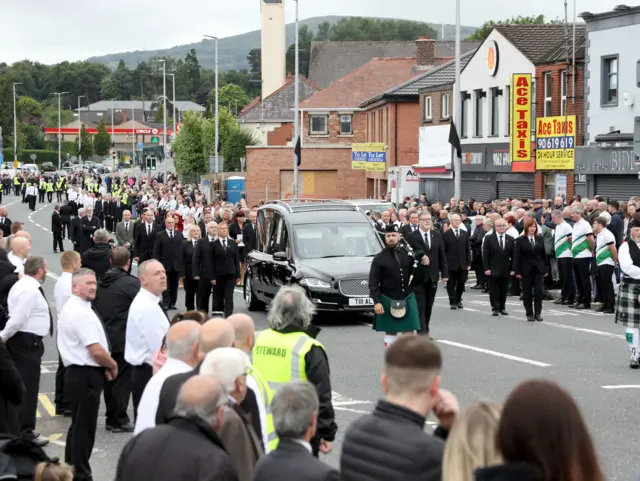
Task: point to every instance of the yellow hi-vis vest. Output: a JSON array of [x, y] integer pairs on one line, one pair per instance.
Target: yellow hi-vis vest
[[49, 187], [43, 185], [266, 394], [59, 184], [16, 181], [125, 198], [279, 358]]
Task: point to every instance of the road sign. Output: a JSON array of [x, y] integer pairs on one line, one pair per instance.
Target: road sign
[[73, 158], [1, 158], [16, 164], [33, 156], [140, 146], [155, 140], [172, 137]]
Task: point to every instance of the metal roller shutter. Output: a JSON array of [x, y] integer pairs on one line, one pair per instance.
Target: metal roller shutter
[[475, 189], [515, 190], [617, 187]]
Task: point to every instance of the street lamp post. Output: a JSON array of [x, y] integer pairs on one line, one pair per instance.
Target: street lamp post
[[296, 113], [80, 130], [457, 109], [175, 122], [15, 123], [59, 94], [164, 116], [216, 108]]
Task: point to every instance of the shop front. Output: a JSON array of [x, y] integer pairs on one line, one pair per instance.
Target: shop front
[[608, 169]]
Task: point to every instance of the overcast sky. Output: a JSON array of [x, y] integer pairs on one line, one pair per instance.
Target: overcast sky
[[52, 31]]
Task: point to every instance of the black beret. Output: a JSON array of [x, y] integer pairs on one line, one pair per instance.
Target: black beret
[[634, 223], [391, 228]]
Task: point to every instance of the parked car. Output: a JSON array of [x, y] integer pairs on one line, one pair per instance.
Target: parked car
[[47, 167], [367, 205], [325, 247]]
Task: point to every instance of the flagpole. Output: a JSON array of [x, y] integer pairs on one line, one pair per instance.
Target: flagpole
[[457, 109], [296, 112]]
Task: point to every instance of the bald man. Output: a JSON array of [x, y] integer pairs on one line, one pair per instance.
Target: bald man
[[20, 249], [183, 354], [214, 333]]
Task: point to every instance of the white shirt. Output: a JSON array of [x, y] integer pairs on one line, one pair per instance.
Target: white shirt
[[79, 328], [151, 395], [146, 327], [28, 310], [16, 261], [626, 263], [62, 291], [562, 240], [426, 237], [513, 232], [603, 253], [73, 195], [580, 238]]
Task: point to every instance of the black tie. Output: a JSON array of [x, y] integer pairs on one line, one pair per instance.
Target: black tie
[[171, 234], [126, 227], [426, 240], [50, 315], [148, 230], [224, 244], [532, 242], [163, 309], [457, 234], [501, 244]]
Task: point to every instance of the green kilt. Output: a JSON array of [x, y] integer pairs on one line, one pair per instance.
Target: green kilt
[[387, 323], [627, 309]]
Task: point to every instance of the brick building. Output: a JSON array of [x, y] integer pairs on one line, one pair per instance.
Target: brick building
[[559, 92]]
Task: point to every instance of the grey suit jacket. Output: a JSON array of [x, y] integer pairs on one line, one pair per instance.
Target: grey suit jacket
[[123, 236]]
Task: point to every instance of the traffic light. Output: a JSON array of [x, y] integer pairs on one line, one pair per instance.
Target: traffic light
[[114, 156], [151, 163]]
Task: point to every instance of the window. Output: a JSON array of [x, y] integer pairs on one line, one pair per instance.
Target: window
[[495, 112], [507, 110], [548, 95], [477, 130], [463, 114], [277, 239], [318, 241], [264, 226], [609, 81], [444, 106], [563, 92], [427, 108], [346, 124], [319, 124]]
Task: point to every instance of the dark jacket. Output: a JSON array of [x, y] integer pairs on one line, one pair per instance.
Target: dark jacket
[[76, 230], [387, 277], [390, 444], [5, 227], [8, 278], [56, 223], [116, 291], [12, 391], [457, 249], [202, 263], [88, 229], [509, 472], [526, 258], [65, 213], [437, 258], [616, 226], [97, 258], [166, 250], [249, 236], [225, 261], [184, 449], [496, 259], [292, 461], [476, 241], [143, 243], [186, 258]]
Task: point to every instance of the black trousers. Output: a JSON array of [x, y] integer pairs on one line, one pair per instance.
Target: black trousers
[[61, 400], [49, 197], [26, 351], [425, 296], [57, 242], [84, 385], [532, 293], [58, 195], [190, 289], [478, 268], [41, 195], [581, 269], [118, 392], [498, 287], [170, 296], [565, 272], [205, 289], [140, 376], [455, 285], [66, 229], [32, 202], [515, 286], [109, 224], [605, 284], [223, 294]]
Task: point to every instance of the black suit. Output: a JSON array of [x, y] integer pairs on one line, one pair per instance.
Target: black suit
[[88, 229], [186, 270], [57, 229], [528, 262], [167, 250], [407, 229], [75, 233], [99, 210], [458, 251], [65, 215], [116, 209], [203, 268], [291, 460], [143, 243], [499, 260], [5, 227], [249, 237], [426, 291], [226, 271]]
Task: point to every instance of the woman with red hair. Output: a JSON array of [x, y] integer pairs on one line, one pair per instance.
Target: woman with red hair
[[529, 265], [235, 232]]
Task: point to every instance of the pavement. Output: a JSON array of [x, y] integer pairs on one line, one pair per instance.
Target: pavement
[[485, 357]]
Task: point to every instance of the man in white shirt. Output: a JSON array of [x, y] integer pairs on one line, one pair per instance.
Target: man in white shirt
[[627, 310], [84, 349], [70, 262], [606, 260], [183, 355], [147, 324], [20, 249], [32, 195], [29, 321], [562, 249], [582, 243]]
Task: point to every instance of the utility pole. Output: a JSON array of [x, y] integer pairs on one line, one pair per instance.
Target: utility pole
[[15, 123], [296, 124], [60, 94], [217, 139], [175, 123], [457, 109], [80, 130], [164, 116]]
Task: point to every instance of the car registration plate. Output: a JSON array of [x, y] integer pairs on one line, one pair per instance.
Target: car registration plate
[[361, 301]]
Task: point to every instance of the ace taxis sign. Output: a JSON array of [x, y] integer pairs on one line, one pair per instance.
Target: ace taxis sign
[[520, 137], [555, 142]]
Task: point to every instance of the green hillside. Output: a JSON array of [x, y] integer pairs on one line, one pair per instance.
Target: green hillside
[[233, 50]]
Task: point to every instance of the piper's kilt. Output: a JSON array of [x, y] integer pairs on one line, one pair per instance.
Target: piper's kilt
[[387, 323], [628, 309]]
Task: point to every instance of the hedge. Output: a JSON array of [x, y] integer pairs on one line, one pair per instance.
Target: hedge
[[24, 156]]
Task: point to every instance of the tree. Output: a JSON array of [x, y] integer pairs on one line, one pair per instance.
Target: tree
[[108, 89], [305, 37], [484, 31], [376, 29], [50, 115], [235, 147], [254, 59], [6, 108], [32, 135], [87, 144], [159, 117], [102, 140], [28, 106], [231, 96], [190, 159], [192, 68], [324, 32]]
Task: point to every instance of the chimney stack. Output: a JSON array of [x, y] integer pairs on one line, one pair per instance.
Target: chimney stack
[[426, 52]]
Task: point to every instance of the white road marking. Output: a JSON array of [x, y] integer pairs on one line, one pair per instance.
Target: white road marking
[[623, 386], [44, 370], [495, 353], [349, 403], [589, 331], [564, 313], [469, 309]]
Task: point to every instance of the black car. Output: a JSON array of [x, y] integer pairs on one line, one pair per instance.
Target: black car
[[325, 247], [47, 167]]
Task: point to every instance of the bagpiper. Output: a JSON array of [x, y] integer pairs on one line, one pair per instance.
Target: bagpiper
[[628, 305]]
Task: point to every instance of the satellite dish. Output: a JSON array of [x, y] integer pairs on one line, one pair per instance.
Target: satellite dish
[[33, 156]]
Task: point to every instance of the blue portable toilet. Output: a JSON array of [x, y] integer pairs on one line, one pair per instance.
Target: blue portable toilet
[[234, 187]]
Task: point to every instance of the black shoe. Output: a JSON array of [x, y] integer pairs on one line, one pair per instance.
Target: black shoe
[[611, 310], [477, 286], [172, 307], [123, 428], [539, 318], [572, 306], [504, 313], [522, 297], [453, 307], [634, 364], [559, 301], [599, 309], [495, 313], [581, 307], [530, 318], [460, 305], [55, 252], [567, 303]]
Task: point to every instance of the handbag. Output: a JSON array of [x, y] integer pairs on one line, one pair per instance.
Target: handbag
[[398, 309]]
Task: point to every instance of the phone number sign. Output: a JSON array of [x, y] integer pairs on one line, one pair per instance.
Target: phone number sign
[[555, 143]]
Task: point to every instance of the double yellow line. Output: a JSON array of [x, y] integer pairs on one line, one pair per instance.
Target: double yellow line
[[47, 405]]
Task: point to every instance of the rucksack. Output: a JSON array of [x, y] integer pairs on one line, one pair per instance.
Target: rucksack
[[19, 458]]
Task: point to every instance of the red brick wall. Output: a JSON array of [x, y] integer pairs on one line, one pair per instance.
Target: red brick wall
[[265, 164], [538, 189], [401, 139], [333, 137], [281, 135]]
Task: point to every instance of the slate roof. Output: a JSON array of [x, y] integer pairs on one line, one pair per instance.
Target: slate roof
[[441, 75], [370, 79], [278, 106], [104, 105], [533, 40], [330, 61], [559, 52]]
